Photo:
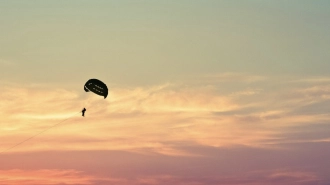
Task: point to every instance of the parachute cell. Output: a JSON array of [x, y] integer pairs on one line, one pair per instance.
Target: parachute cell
[[96, 86]]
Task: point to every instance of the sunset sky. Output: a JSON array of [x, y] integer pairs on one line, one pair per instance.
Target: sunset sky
[[204, 92]]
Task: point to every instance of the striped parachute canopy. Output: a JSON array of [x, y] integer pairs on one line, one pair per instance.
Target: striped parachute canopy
[[97, 87]]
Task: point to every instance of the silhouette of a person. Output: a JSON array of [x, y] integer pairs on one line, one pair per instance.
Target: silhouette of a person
[[83, 112]]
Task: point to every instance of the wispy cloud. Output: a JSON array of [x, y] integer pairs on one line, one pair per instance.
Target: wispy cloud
[[234, 77], [44, 177], [68, 177], [140, 118]]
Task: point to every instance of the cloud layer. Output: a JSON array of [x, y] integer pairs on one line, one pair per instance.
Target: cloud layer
[[231, 129]]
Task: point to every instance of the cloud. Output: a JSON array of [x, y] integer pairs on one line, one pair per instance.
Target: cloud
[[234, 77], [168, 98], [296, 177], [73, 177], [148, 118], [44, 177], [312, 80], [301, 164]]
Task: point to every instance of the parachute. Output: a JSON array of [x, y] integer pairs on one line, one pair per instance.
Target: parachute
[[97, 87]]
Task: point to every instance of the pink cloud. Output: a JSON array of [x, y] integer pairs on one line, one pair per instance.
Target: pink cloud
[[44, 177], [73, 177]]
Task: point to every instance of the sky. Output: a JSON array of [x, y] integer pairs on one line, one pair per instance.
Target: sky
[[201, 92]]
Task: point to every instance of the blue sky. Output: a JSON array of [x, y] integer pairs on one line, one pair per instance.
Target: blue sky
[[154, 41]]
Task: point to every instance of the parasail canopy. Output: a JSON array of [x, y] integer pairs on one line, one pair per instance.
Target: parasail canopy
[[96, 86]]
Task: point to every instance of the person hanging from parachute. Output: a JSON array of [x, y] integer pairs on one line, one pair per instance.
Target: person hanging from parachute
[[96, 86], [83, 112]]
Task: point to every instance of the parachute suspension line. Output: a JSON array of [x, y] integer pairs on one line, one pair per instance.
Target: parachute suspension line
[[5, 150]]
